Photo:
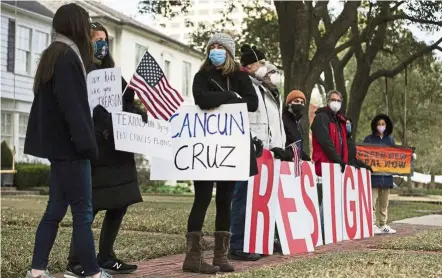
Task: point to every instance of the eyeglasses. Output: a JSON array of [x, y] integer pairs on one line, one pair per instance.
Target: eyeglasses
[[337, 100], [96, 25]]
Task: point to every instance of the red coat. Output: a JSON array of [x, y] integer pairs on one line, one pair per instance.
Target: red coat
[[329, 133]]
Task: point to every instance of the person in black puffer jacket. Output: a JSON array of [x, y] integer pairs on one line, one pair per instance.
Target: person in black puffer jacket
[[218, 82], [114, 174]]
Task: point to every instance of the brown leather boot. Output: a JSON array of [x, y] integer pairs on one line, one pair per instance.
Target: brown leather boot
[[222, 245], [194, 261]]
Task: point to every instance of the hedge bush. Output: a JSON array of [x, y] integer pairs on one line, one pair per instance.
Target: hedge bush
[[31, 175], [6, 156]]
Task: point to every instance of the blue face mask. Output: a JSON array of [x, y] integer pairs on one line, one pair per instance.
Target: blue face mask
[[101, 49], [348, 128], [217, 56]]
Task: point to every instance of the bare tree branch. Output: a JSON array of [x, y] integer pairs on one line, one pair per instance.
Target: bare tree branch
[[410, 18], [438, 48], [405, 63]]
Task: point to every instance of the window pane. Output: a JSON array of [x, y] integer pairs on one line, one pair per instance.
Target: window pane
[[40, 42], [111, 45], [167, 68], [24, 38], [21, 146], [6, 123], [23, 124], [139, 50], [22, 61], [186, 78]]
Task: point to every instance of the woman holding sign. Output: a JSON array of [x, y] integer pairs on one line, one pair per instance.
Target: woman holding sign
[[114, 174], [382, 128], [218, 82]]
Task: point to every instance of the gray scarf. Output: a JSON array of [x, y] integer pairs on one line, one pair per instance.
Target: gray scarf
[[63, 39]]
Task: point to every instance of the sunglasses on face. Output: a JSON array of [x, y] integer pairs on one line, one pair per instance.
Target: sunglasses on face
[[96, 25]]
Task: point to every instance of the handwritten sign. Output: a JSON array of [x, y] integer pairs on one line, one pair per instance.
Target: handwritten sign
[[104, 88], [387, 159], [207, 145], [133, 135]]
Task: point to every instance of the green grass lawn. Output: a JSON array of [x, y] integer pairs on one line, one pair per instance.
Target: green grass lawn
[[139, 238], [379, 264]]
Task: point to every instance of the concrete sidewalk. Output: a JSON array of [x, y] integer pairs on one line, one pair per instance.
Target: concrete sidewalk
[[426, 199]]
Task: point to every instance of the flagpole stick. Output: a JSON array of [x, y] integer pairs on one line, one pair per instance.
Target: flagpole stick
[[139, 62], [127, 83]]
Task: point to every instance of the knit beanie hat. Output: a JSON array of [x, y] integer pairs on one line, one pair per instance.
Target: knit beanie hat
[[223, 39], [295, 94], [250, 55]]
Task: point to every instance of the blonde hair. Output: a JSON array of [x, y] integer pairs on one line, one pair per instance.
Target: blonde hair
[[229, 67]]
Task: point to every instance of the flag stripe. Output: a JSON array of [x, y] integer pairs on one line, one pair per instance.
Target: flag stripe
[[143, 100], [150, 93], [163, 96], [155, 110], [176, 92], [168, 94]]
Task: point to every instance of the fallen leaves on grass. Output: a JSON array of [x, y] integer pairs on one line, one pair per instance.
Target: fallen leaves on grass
[[380, 264], [429, 240]]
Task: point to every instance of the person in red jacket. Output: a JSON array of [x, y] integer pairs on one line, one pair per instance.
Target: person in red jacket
[[329, 134]]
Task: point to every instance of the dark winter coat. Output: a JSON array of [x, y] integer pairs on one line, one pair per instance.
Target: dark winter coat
[[114, 173], [381, 181], [293, 131], [60, 125], [329, 138], [210, 90]]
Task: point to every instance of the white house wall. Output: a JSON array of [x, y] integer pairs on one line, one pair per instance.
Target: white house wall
[[161, 52]]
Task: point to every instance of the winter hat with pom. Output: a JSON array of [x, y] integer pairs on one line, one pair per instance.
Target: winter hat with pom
[[223, 39], [250, 55]]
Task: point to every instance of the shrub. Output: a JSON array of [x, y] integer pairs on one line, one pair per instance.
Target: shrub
[[32, 175], [6, 156]]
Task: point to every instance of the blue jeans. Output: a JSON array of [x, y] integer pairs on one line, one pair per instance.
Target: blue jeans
[[70, 184], [238, 216]]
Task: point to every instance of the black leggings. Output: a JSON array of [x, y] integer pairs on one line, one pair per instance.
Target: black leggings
[[203, 196], [109, 231]]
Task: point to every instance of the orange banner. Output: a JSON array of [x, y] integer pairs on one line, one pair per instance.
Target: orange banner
[[387, 159]]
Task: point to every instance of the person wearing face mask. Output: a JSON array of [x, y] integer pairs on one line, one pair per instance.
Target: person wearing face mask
[[382, 128], [291, 116], [114, 174], [266, 126], [219, 81], [329, 134]]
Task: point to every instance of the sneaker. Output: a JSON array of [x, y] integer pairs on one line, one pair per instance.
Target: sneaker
[[239, 255], [74, 270], [44, 275], [117, 267], [387, 230], [376, 230]]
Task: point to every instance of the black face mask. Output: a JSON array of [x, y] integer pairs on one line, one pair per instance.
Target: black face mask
[[296, 109]]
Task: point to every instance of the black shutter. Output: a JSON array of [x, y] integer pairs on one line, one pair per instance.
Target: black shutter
[[11, 46]]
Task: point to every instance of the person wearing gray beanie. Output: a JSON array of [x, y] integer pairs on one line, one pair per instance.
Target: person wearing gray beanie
[[219, 81]]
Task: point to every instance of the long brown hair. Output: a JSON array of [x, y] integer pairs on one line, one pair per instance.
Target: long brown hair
[[229, 67], [108, 61], [72, 21]]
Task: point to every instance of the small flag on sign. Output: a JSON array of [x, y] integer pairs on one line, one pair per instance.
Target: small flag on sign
[[296, 149], [153, 89]]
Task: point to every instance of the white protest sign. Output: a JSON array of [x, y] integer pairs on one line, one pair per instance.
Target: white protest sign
[[207, 145], [104, 88], [133, 135]]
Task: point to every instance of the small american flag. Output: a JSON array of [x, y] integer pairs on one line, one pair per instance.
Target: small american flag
[[153, 89], [296, 149]]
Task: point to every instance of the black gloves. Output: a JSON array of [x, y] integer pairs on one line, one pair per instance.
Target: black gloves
[[305, 157], [282, 154], [367, 167], [342, 163], [259, 146]]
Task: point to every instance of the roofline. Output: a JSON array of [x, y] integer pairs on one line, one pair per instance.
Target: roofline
[[163, 38], [12, 7]]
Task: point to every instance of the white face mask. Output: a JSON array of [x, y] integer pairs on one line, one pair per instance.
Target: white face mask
[[275, 79], [335, 106], [261, 72]]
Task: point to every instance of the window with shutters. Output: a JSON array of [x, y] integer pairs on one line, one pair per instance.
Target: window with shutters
[[167, 69], [7, 127], [139, 52], [10, 63], [187, 67], [24, 47]]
